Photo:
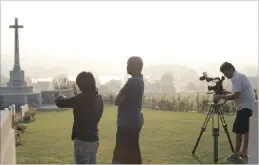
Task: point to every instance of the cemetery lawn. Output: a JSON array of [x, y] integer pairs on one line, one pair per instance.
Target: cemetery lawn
[[166, 138]]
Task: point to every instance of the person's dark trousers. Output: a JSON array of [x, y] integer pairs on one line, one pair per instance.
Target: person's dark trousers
[[127, 149]]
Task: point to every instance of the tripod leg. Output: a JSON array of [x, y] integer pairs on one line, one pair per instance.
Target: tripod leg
[[215, 133], [202, 129], [225, 129]]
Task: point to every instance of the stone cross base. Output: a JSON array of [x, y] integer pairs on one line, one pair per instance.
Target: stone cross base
[[17, 78]]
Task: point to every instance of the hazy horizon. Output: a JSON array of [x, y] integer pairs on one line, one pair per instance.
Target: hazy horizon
[[100, 36]]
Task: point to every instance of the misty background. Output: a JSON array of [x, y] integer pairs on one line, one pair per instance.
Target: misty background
[[177, 40]]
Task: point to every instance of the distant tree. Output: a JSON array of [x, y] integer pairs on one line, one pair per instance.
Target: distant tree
[[61, 82], [145, 81], [97, 81], [149, 86], [114, 85], [104, 90], [191, 86], [256, 94], [201, 88], [167, 83]]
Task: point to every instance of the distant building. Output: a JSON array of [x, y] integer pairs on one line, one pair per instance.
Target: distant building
[[43, 85]]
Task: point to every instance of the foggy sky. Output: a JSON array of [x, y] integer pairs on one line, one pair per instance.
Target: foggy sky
[[100, 36]]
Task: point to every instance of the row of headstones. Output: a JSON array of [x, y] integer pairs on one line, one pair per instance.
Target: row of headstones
[[7, 146], [24, 109]]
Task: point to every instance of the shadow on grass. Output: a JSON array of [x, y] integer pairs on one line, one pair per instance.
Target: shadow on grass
[[238, 161], [198, 160], [241, 161]]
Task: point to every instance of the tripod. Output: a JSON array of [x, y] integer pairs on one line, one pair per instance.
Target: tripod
[[214, 109]]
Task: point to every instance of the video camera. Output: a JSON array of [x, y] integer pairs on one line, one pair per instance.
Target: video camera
[[218, 88]]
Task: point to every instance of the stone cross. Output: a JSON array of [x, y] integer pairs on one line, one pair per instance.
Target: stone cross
[[16, 45]]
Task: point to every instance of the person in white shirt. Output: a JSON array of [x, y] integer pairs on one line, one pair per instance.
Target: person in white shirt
[[242, 95]]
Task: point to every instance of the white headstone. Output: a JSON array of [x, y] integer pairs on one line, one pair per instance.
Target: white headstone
[[24, 109], [253, 136], [13, 109], [7, 145]]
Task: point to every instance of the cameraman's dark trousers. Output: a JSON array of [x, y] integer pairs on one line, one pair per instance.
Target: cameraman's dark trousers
[[127, 150]]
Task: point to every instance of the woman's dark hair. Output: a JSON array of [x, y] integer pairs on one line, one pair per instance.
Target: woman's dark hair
[[86, 82], [226, 66]]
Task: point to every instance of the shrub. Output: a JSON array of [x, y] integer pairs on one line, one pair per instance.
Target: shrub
[[17, 138], [15, 122], [256, 93], [180, 102], [18, 126], [30, 115], [21, 128]]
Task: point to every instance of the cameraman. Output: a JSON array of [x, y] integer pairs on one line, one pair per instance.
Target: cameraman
[[87, 109], [242, 95]]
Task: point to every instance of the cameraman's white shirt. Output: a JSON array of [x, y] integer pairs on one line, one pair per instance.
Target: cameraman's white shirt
[[240, 83]]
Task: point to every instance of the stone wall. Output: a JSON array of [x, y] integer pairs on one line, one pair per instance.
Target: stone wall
[[21, 99], [7, 134], [1, 101], [18, 100], [16, 89], [35, 99], [49, 96], [253, 136]]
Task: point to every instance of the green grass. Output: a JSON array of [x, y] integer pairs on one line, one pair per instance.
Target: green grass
[[166, 138]]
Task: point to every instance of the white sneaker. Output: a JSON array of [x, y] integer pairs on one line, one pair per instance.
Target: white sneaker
[[233, 156]]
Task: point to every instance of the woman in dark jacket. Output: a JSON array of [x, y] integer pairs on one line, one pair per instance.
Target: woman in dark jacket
[[87, 109]]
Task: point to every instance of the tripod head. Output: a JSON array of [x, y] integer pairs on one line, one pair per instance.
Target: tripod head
[[217, 102], [218, 87]]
